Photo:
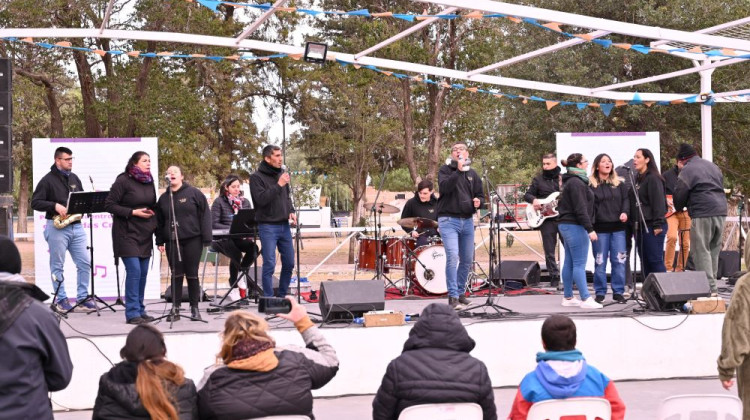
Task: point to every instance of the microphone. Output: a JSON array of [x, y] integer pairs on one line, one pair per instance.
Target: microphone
[[284, 169], [167, 178]]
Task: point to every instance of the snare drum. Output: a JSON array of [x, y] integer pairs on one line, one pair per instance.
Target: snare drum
[[368, 253], [429, 276], [396, 251]]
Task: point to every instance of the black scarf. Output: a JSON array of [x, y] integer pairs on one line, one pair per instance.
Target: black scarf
[[551, 173]]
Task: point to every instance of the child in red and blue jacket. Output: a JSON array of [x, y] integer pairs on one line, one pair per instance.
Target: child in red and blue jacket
[[562, 372]]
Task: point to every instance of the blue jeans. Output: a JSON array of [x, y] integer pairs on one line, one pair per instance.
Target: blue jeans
[[136, 270], [576, 243], [72, 238], [609, 246], [271, 237], [652, 251], [458, 240]]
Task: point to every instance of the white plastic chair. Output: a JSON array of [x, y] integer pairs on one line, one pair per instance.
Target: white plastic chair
[[445, 411], [679, 407], [286, 417], [592, 408]]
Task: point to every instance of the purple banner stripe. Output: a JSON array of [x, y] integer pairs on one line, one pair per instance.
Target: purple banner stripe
[[622, 134], [98, 140]]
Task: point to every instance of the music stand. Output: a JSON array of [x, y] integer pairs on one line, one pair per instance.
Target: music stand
[[243, 225], [89, 203]]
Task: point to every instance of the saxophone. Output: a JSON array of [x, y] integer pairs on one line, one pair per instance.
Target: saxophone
[[63, 222]]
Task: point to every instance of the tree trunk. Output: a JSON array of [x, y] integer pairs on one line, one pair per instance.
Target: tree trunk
[[86, 79], [23, 199], [140, 89], [114, 113], [408, 122], [358, 194]]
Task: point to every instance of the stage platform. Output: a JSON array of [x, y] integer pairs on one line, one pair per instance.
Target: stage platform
[[622, 340]]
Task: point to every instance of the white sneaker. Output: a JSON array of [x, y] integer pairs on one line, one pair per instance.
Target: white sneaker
[[571, 302], [628, 292], [590, 303]]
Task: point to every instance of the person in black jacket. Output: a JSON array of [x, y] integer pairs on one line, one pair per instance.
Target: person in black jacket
[[576, 227], [223, 209], [611, 208], [460, 196], [423, 205], [145, 385], [269, 187], [255, 378], [437, 339], [649, 240], [51, 197], [35, 359], [131, 201], [193, 225], [678, 223], [544, 184]]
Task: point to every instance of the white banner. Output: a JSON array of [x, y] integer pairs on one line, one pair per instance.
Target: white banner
[[101, 160]]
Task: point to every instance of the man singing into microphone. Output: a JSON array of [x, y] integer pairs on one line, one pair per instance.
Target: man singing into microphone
[[460, 196], [269, 188]]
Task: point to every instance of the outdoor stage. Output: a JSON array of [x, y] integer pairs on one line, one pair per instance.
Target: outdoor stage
[[621, 342]]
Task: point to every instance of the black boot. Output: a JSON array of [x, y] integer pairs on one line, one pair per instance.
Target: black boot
[[174, 315], [195, 314]]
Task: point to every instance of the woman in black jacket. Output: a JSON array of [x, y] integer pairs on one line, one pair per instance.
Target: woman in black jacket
[[649, 239], [131, 201], [611, 208], [223, 209], [576, 227], [435, 367], [255, 378], [145, 385], [193, 232]]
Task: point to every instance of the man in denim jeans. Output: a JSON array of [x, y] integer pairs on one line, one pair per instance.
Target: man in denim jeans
[[51, 197], [460, 195], [269, 188]]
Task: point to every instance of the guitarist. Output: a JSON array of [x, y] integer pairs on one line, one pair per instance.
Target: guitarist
[[544, 184], [678, 223]]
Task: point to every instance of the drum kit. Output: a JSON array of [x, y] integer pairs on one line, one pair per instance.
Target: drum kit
[[423, 266]]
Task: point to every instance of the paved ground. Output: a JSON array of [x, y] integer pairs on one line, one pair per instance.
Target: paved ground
[[641, 398]]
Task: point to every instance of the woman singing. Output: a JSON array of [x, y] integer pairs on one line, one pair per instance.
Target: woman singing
[[131, 201], [226, 205], [193, 232], [649, 239], [611, 207], [576, 208]]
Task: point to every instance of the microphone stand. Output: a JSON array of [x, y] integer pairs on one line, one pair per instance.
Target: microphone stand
[[638, 238], [117, 275], [297, 238], [489, 303], [378, 217]]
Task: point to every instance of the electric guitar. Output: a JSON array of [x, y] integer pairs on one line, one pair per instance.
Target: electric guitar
[[535, 218]]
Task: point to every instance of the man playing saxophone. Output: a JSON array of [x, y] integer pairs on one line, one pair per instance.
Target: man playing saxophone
[[63, 232]]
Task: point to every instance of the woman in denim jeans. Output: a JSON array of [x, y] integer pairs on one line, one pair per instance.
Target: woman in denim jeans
[[649, 239], [575, 224], [611, 206]]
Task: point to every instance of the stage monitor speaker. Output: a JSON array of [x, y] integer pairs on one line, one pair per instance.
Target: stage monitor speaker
[[6, 75], [6, 142], [350, 299], [669, 291], [6, 176], [729, 263], [527, 272]]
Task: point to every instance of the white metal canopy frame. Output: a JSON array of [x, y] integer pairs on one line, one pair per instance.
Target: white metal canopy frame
[[731, 35]]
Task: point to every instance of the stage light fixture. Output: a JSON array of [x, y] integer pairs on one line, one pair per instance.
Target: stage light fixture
[[315, 52]]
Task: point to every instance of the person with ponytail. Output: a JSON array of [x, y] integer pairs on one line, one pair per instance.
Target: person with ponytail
[[649, 239], [223, 209], [131, 201], [576, 226], [145, 385], [271, 380]]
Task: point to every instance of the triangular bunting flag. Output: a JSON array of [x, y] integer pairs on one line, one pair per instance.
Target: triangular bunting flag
[[641, 48], [553, 26], [619, 103], [636, 99], [408, 18], [474, 15], [362, 12], [133, 53], [603, 42], [623, 46], [498, 95], [586, 37], [101, 53], [606, 108], [309, 12], [594, 105], [728, 51], [581, 105], [472, 89], [63, 44], [648, 103], [295, 57], [696, 50], [210, 4], [677, 101], [165, 54], [550, 104], [27, 39], [382, 15], [514, 19]]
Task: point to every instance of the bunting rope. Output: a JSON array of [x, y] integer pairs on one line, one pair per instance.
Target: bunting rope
[[605, 107], [551, 26]]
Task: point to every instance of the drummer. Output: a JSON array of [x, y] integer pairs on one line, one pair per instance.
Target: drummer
[[422, 205]]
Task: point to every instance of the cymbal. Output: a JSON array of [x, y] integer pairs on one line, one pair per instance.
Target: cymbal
[[418, 223], [382, 207]]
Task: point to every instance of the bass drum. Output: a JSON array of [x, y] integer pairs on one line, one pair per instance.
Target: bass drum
[[429, 276]]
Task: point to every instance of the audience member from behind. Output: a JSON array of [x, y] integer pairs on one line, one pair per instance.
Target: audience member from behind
[[255, 378], [435, 367], [145, 385], [562, 372], [735, 342], [35, 358]]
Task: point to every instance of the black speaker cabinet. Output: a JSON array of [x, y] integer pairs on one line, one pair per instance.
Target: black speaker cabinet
[[6, 143], [729, 263], [6, 222], [6, 75], [668, 291], [350, 299], [5, 108], [6, 176], [527, 272]]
